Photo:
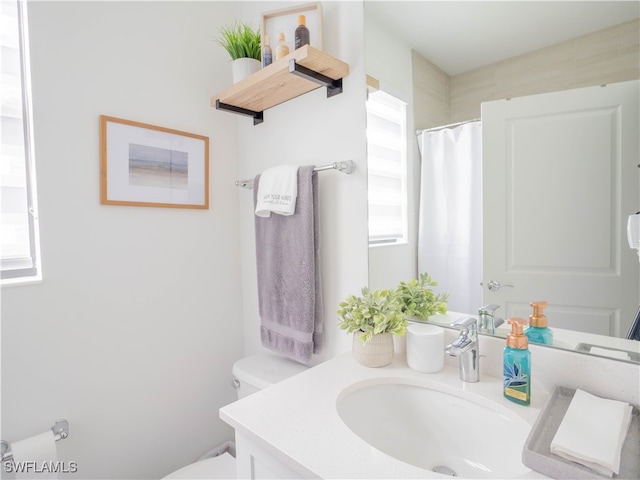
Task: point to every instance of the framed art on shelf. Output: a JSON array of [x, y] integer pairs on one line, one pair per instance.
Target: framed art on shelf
[[150, 166], [285, 20]]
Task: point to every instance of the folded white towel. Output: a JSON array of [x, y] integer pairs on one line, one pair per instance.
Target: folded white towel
[[277, 191], [592, 432]]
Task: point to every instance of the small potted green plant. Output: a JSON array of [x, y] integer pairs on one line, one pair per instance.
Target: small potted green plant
[[242, 42], [373, 318], [418, 301]]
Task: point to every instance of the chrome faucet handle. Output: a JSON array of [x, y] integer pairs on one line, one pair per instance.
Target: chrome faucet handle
[[487, 318], [468, 337], [489, 309], [466, 324]]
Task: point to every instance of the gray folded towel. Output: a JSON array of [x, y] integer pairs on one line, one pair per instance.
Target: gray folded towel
[[288, 265]]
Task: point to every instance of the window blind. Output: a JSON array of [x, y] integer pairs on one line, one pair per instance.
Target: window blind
[[387, 166]]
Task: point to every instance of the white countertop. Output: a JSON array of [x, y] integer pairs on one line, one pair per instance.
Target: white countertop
[[297, 421]]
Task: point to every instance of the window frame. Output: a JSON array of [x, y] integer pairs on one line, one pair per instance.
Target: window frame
[[25, 269]]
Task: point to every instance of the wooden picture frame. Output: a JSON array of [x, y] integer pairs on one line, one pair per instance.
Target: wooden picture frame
[[149, 166], [285, 20]]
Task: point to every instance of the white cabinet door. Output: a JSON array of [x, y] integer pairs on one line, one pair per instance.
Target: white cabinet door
[[560, 177], [254, 462]]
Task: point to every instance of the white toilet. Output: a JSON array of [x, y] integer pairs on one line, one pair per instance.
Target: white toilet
[[251, 374]]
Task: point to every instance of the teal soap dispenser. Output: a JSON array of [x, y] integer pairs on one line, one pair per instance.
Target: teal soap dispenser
[[517, 364], [538, 332]]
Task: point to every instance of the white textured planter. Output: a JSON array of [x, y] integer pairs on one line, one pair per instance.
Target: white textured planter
[[377, 352], [242, 68]]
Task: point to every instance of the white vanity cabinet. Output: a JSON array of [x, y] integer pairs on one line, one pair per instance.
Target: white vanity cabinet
[[256, 462]]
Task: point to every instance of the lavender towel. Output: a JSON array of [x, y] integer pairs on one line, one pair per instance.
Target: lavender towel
[[289, 289]]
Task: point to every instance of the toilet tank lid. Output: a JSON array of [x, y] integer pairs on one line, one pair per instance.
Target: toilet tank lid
[[264, 369]]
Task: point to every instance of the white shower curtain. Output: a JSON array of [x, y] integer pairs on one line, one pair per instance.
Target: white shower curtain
[[450, 223]]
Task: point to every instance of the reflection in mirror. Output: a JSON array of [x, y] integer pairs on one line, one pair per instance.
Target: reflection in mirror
[[447, 58]]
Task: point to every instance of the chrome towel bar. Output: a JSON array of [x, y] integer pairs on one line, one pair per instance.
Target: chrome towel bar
[[346, 166]]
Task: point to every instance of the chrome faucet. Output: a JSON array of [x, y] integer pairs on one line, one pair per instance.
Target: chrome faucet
[[465, 347], [487, 320]]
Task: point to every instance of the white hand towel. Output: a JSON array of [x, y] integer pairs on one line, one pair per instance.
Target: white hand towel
[[592, 432], [277, 191]]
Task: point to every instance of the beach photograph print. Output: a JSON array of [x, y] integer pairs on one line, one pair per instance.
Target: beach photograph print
[[151, 166], [158, 167]]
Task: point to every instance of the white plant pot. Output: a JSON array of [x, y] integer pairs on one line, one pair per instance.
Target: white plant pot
[[242, 68], [377, 352]]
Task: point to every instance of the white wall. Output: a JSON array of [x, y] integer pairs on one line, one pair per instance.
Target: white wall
[[312, 129], [133, 331], [132, 334], [388, 58]]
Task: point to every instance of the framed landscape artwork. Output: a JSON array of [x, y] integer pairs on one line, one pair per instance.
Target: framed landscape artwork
[[151, 166]]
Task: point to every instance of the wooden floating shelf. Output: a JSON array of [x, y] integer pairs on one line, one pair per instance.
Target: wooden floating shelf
[[298, 73]]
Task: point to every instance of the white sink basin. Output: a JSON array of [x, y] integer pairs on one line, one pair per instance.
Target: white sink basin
[[443, 431]]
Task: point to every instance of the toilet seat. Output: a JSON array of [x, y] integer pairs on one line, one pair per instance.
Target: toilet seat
[[220, 467]]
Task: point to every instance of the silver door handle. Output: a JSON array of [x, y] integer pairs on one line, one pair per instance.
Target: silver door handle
[[494, 285]]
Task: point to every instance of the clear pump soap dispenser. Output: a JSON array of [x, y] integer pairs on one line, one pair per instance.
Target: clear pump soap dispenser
[[538, 332], [517, 364]]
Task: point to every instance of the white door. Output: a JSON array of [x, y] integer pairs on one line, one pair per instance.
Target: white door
[[560, 177]]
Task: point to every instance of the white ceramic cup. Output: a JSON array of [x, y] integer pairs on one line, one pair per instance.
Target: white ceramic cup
[[425, 348]]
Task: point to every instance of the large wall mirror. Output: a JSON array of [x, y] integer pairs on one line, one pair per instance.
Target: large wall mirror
[[441, 60]]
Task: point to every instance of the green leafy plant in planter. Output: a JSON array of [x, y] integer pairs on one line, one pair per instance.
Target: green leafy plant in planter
[[241, 40], [418, 300], [374, 312]]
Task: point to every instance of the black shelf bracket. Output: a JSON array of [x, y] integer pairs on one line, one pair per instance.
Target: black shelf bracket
[[334, 87], [258, 117]]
